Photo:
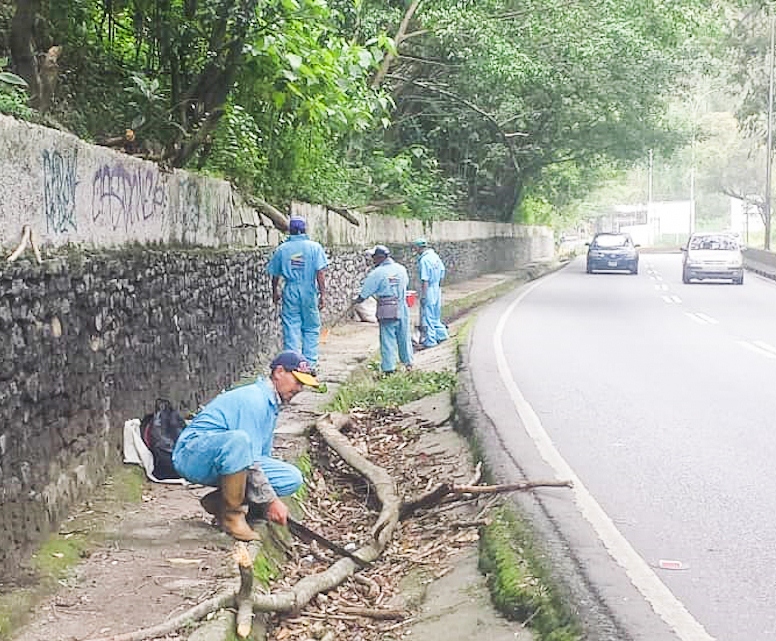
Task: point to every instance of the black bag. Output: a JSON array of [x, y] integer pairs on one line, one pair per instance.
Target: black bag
[[388, 308], [160, 431]]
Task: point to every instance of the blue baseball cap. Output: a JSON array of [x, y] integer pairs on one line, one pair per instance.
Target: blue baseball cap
[[420, 242], [297, 364], [296, 225]]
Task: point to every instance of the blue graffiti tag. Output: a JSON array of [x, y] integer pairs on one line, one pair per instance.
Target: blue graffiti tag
[[125, 197], [59, 183]]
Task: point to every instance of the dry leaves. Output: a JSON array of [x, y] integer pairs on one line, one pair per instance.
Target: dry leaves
[[340, 505]]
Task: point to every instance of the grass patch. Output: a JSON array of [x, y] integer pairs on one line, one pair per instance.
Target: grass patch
[[369, 389], [125, 485], [266, 568], [519, 580], [13, 609], [59, 553]]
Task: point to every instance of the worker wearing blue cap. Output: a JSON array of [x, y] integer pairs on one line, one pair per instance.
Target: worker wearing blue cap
[[431, 272], [229, 442], [387, 282], [302, 263]]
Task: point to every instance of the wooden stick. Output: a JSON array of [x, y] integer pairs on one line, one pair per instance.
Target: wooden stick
[[244, 598], [26, 234], [507, 487], [443, 491], [374, 613], [35, 249]]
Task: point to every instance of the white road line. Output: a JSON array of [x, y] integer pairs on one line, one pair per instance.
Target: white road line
[[752, 347], [765, 346], [660, 287], [667, 298], [697, 318], [667, 606], [707, 318], [676, 299]]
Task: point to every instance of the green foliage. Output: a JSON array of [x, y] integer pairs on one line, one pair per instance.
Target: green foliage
[[237, 150], [519, 582], [483, 106], [13, 94], [372, 390]]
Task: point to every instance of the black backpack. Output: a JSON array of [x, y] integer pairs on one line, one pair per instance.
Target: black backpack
[[160, 431]]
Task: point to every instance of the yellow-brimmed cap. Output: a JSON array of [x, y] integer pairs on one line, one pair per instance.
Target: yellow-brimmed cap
[[305, 379], [297, 364]]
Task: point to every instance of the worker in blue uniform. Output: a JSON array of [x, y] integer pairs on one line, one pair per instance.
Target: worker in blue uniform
[[387, 282], [228, 444], [302, 263], [431, 272]]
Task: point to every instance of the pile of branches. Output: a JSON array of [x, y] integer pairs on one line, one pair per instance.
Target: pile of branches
[[361, 461]]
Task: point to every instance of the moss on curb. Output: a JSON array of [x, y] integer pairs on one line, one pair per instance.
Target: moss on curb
[[519, 580]]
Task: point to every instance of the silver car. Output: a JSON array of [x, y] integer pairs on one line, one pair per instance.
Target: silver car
[[713, 255]]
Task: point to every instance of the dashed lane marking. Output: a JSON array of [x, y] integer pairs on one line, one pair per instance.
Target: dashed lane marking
[[708, 319], [767, 347], [757, 349], [701, 318]]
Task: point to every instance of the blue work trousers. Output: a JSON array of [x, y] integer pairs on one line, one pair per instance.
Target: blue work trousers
[[206, 456], [395, 337], [433, 330], [301, 322]]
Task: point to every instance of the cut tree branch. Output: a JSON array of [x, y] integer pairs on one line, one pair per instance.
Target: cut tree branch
[[400, 36], [457, 492], [278, 219]]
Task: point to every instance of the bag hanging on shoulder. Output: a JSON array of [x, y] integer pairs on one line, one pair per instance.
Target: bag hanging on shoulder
[[388, 308]]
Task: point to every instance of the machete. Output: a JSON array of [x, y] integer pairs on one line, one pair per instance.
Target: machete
[[305, 533]]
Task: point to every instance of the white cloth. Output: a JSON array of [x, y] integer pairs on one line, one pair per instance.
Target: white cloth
[[366, 311], [136, 452]]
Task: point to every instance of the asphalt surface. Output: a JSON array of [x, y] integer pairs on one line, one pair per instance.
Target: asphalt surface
[[654, 397]]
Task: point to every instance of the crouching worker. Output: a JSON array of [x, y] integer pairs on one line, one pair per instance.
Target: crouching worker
[[228, 445]]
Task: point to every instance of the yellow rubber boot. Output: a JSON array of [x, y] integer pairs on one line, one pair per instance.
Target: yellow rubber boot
[[233, 515]]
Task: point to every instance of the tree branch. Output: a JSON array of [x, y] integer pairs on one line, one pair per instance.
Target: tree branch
[[400, 36]]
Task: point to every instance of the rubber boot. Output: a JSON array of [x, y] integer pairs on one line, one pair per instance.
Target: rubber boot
[[213, 503], [233, 515]]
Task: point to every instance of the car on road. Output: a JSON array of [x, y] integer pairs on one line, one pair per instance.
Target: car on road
[[612, 251], [713, 255]]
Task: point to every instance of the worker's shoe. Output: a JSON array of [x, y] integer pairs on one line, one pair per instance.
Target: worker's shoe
[[213, 503], [233, 515]]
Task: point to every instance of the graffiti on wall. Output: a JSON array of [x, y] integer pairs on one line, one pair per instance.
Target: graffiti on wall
[[59, 183], [123, 197], [202, 208]]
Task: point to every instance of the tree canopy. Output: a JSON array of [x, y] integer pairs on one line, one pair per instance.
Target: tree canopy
[[490, 109]]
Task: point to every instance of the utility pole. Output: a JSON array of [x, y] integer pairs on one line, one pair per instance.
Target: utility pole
[[769, 148]]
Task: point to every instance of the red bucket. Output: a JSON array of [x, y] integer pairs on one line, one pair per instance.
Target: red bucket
[[412, 297]]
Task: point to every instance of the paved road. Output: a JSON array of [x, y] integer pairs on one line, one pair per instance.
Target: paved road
[[656, 398]]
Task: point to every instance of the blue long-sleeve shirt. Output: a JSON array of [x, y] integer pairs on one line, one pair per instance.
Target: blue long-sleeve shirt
[[252, 409]]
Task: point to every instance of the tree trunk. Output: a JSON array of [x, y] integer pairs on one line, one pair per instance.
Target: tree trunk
[[22, 39]]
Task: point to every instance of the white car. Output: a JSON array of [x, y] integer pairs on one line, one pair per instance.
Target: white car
[[713, 255]]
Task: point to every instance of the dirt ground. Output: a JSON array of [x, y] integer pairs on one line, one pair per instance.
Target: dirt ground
[[153, 560]]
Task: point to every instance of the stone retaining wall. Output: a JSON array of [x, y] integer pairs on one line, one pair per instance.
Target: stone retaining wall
[[135, 301]]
